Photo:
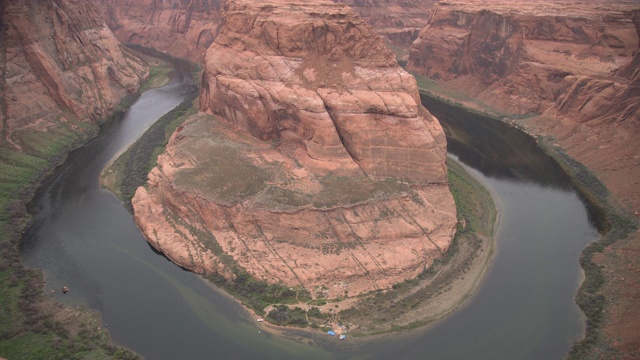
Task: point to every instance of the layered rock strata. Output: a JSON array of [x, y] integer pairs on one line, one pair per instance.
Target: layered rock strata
[[522, 57], [183, 29], [573, 66], [61, 66], [319, 167], [398, 21]]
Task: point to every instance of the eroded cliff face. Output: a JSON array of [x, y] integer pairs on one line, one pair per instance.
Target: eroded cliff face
[[61, 68], [398, 21], [574, 66], [181, 28], [521, 57], [318, 168]]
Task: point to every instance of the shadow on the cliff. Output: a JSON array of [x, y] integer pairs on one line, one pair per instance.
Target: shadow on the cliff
[[158, 252], [503, 152]]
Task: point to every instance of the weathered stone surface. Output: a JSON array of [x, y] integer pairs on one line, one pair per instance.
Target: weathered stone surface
[[336, 179], [574, 64], [398, 21], [324, 82], [520, 57], [181, 28], [60, 65]]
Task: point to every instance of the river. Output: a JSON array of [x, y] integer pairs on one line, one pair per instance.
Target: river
[[81, 236]]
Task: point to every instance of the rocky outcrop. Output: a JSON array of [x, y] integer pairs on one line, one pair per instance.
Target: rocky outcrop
[[183, 29], [319, 167], [61, 67], [572, 65], [398, 21], [522, 57]]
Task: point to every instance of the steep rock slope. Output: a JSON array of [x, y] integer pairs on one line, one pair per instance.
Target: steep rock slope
[[398, 21], [521, 57], [319, 169], [574, 66], [60, 70], [181, 28]]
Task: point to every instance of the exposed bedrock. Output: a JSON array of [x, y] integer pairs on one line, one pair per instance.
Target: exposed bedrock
[[398, 21], [183, 29], [574, 66], [312, 162], [61, 66]]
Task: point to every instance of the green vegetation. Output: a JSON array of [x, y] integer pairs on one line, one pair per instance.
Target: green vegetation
[[377, 313], [616, 224], [286, 316], [30, 326], [130, 170], [158, 77]]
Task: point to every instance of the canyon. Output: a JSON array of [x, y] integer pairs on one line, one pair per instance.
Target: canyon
[[182, 29], [566, 72], [312, 164], [186, 29], [63, 74], [336, 184]]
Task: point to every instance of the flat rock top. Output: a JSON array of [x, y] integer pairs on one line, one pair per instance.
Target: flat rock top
[[588, 9]]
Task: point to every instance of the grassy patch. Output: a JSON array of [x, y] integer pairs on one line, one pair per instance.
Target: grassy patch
[[130, 170], [29, 328], [158, 77], [614, 224]]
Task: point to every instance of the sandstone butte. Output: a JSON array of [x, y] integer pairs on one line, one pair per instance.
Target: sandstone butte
[[574, 67], [59, 71], [312, 163]]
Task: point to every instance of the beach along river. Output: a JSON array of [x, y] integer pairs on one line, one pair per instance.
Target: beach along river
[[82, 237]]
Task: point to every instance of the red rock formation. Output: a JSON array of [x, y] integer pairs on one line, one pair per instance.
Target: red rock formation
[[520, 57], [181, 28], [399, 21], [61, 66], [576, 63], [341, 185]]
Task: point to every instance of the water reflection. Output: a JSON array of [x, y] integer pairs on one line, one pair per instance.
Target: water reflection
[[83, 237], [495, 149]]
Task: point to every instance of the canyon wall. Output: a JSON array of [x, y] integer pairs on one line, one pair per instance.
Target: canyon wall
[[572, 67], [312, 163], [181, 28], [523, 57], [398, 21], [61, 67]]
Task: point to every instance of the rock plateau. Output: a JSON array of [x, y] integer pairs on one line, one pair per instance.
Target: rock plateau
[[312, 163]]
